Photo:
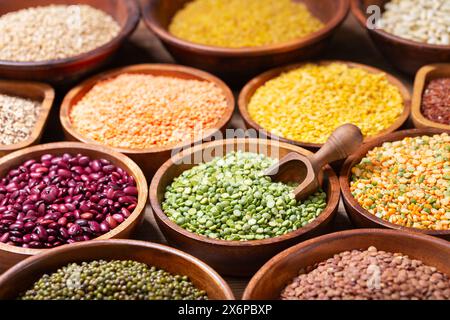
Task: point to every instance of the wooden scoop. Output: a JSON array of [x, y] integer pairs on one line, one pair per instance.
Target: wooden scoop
[[305, 170]]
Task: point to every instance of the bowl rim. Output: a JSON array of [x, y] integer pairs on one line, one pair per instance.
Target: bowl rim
[[420, 82], [152, 22], [345, 175], [250, 88], [133, 18], [46, 104], [361, 17], [66, 105], [332, 199], [29, 262], [129, 165], [310, 244]]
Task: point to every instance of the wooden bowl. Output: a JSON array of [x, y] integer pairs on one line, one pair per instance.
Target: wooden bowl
[[423, 78], [235, 258], [243, 62], [275, 275], [406, 55], [10, 255], [359, 216], [250, 88], [22, 276], [125, 12], [40, 92], [149, 159]]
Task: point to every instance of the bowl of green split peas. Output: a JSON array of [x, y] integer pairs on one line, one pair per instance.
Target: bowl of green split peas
[[213, 202]]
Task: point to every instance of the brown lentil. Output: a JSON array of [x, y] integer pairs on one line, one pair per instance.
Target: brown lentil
[[18, 117], [141, 111], [369, 275], [54, 32], [436, 101]]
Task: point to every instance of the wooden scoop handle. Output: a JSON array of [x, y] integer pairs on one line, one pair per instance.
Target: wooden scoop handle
[[343, 142]]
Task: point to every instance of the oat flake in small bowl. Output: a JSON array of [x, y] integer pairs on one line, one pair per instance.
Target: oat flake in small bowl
[[18, 116]]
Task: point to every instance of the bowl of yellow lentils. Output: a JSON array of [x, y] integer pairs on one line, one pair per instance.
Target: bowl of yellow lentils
[[401, 181], [235, 38], [304, 103]]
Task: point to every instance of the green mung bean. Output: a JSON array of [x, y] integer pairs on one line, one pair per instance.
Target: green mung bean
[[112, 280], [228, 198]]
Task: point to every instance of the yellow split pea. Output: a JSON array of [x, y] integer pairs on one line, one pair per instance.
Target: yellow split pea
[[308, 103], [243, 23]]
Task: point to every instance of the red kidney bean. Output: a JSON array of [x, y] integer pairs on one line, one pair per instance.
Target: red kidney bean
[[74, 230], [4, 238], [26, 238], [118, 217], [41, 233]]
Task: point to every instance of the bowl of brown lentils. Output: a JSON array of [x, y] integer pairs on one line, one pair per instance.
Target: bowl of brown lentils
[[364, 264], [61, 40], [113, 270], [24, 109]]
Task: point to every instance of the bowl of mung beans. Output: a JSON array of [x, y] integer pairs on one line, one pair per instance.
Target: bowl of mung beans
[[66, 192], [113, 270], [147, 111], [239, 38], [431, 98], [401, 181], [59, 41], [365, 264], [24, 109], [212, 201], [410, 34], [304, 103]]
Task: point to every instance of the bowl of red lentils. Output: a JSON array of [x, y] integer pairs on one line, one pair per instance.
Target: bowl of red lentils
[[401, 181], [431, 98], [365, 264], [304, 103], [66, 192], [148, 112], [61, 40], [234, 38]]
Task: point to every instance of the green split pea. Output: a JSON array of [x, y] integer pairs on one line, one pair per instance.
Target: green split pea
[[228, 198]]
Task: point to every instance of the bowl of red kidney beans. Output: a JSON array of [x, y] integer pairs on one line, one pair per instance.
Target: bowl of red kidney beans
[[62, 193]]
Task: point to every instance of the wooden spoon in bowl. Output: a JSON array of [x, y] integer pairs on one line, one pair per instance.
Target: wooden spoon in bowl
[[305, 170]]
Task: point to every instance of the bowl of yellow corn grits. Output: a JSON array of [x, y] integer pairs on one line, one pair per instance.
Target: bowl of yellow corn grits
[[240, 38], [303, 104], [400, 181]]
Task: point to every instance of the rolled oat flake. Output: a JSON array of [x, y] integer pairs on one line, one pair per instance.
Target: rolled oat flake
[[18, 117]]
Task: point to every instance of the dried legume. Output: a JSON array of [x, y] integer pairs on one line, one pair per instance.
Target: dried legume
[[228, 198], [418, 20], [112, 280], [407, 182], [18, 117], [243, 23], [141, 111], [436, 101], [369, 275], [63, 199], [54, 32], [307, 104]]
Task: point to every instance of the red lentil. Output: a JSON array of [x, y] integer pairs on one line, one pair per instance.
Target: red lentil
[[436, 101], [141, 111]]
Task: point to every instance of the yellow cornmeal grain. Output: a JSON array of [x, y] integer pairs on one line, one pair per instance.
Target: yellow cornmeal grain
[[243, 23], [308, 103]]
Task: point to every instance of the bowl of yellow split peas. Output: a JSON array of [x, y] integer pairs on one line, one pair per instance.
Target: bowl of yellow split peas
[[303, 104], [240, 38]]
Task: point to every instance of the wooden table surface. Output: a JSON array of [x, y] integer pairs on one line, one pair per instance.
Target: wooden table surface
[[351, 43]]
